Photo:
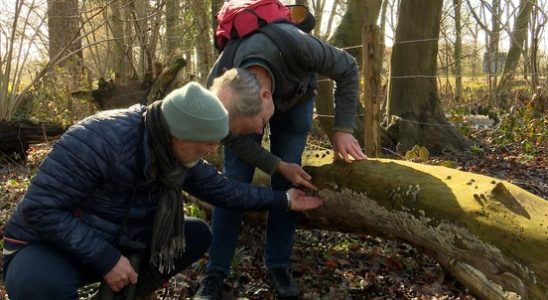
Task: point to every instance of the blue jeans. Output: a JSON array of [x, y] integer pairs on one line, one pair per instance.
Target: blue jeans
[[41, 271], [288, 133]]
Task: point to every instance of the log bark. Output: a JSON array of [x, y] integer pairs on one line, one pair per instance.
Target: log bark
[[485, 231], [17, 136], [488, 233]]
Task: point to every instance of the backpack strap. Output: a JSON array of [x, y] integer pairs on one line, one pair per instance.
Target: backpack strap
[[287, 47], [279, 38], [229, 52]]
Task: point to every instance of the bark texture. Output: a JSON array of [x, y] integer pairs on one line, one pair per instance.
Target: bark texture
[[518, 37], [64, 33], [490, 234], [415, 115]]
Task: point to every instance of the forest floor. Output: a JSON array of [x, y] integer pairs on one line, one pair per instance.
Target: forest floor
[[332, 265]]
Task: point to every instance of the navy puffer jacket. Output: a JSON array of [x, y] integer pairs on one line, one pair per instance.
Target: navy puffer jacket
[[82, 191]]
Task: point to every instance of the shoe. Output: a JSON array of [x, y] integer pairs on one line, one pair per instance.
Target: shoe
[[211, 287], [283, 283]]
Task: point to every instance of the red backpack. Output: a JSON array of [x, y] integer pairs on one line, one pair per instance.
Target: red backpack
[[239, 18]]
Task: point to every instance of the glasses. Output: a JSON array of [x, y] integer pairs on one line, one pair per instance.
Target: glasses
[[298, 13]]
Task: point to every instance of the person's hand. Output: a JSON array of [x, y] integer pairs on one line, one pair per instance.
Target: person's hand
[[346, 145], [121, 275], [300, 201], [296, 175]]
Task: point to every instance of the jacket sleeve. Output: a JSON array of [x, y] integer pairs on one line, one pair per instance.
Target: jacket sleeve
[[341, 67], [69, 174], [252, 152], [206, 183]]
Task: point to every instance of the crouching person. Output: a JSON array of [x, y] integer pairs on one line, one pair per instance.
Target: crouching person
[[111, 188]]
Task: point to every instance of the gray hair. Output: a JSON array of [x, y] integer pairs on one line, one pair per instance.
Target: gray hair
[[242, 89]]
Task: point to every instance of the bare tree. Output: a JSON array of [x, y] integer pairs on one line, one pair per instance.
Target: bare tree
[[457, 56], [349, 31], [446, 59], [203, 46], [492, 39], [519, 33], [382, 32], [327, 15], [121, 47], [19, 31], [538, 21], [24, 40]]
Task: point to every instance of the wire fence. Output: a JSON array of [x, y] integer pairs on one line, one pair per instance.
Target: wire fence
[[484, 127], [540, 75]]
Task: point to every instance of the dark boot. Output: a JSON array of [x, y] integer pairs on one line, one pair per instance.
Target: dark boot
[[211, 287], [283, 283]]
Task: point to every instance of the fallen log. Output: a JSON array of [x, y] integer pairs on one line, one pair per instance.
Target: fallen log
[[16, 137], [485, 231], [489, 234]]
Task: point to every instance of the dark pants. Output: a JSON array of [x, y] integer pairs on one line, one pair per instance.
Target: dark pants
[[288, 133], [40, 271]]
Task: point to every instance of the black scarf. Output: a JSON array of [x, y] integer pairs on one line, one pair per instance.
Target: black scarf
[[168, 235]]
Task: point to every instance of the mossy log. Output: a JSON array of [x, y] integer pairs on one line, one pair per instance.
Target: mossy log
[[488, 233]]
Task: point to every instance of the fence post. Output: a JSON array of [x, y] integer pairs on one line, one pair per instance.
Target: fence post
[[371, 81]]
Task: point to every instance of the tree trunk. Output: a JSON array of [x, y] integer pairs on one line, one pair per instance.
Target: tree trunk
[[121, 62], [518, 35], [204, 50], [317, 9], [64, 34], [331, 19], [382, 31], [173, 30], [349, 32], [535, 31], [493, 49], [458, 51], [415, 115], [142, 25]]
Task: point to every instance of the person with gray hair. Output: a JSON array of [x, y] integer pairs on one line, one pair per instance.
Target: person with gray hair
[[243, 85], [287, 92], [249, 109]]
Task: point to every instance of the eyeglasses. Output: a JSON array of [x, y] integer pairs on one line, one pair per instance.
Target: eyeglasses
[[298, 13]]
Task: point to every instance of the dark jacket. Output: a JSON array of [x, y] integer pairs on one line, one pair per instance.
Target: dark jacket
[[315, 56], [83, 189]]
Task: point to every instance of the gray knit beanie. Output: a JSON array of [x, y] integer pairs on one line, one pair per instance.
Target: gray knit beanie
[[193, 113]]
